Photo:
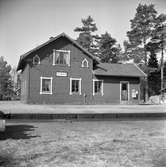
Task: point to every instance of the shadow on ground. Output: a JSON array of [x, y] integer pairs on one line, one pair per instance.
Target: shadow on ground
[[6, 161], [17, 132]]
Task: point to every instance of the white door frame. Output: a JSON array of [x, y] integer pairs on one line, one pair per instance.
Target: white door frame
[[128, 87]]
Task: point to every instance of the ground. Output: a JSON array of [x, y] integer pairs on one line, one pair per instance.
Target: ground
[[130, 143], [18, 107], [81, 144]]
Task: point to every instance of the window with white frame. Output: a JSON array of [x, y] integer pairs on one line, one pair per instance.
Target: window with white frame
[[36, 60], [97, 87], [75, 86], [85, 63], [61, 57], [45, 85]]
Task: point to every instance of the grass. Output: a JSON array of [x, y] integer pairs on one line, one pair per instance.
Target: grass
[[82, 144]]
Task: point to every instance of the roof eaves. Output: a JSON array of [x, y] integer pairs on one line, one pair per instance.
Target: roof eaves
[[140, 70], [118, 75]]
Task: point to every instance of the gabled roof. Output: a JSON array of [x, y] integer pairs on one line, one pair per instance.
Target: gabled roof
[[128, 70], [22, 57]]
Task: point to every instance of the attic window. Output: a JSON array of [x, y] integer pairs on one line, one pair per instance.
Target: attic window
[[36, 60], [61, 57], [85, 63]]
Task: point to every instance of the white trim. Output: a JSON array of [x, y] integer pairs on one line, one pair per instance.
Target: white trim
[[102, 89], [68, 57], [78, 79], [41, 83], [140, 70], [128, 84], [82, 64], [53, 57], [36, 56], [61, 50]]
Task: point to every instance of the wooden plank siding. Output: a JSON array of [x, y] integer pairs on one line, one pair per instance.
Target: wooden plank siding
[[31, 75]]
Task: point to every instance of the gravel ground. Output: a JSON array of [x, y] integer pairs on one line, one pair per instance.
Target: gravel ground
[[18, 107], [84, 144]]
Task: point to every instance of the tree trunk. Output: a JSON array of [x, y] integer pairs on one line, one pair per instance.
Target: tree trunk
[[146, 71]]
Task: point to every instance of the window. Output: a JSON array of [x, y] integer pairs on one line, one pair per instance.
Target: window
[[97, 87], [75, 86], [61, 57], [45, 85], [36, 60], [85, 63]]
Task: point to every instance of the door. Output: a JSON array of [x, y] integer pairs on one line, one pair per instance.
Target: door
[[124, 92]]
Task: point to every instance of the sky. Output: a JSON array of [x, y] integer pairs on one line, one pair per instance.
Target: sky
[[25, 24]]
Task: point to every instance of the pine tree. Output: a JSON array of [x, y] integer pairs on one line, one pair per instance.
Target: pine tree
[[4, 77], [108, 49], [142, 26], [164, 71], [153, 62], [136, 54], [152, 48], [153, 72], [87, 37], [154, 81], [153, 75]]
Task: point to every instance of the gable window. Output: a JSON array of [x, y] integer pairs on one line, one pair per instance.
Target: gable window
[[98, 87], [36, 60], [85, 63], [61, 57], [45, 85], [75, 86]]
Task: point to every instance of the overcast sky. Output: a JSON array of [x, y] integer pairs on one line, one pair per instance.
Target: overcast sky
[[24, 24]]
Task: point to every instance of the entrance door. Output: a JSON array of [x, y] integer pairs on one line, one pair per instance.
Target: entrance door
[[124, 92]]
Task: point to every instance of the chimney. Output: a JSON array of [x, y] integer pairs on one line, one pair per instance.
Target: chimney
[[51, 38]]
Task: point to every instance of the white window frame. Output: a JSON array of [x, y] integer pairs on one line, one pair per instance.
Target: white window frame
[[82, 64], [121, 82], [41, 83], [102, 90], [79, 92], [36, 56], [54, 55]]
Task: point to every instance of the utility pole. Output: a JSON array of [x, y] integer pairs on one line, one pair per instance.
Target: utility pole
[[162, 64]]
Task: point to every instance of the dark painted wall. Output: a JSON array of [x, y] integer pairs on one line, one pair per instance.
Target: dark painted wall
[[111, 89], [25, 84], [61, 85]]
